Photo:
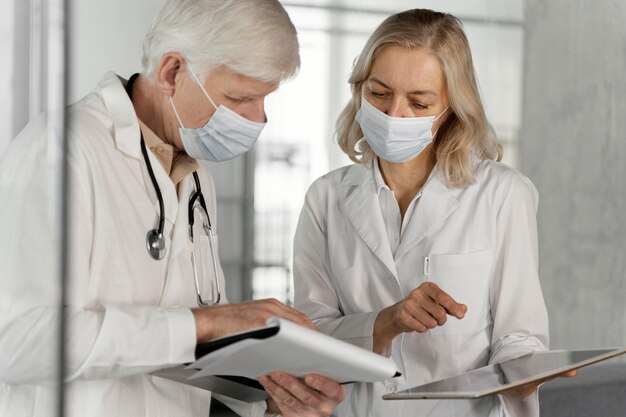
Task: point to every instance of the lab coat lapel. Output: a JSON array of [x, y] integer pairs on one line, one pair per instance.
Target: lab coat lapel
[[435, 205], [127, 135], [122, 114], [362, 209]]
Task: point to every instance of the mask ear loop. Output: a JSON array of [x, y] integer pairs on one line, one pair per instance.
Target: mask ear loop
[[176, 113], [440, 114], [195, 77], [197, 80]]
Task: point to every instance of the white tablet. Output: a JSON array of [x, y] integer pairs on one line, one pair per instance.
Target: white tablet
[[493, 379]]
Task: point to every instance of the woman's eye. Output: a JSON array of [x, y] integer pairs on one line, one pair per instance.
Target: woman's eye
[[419, 105], [378, 94]]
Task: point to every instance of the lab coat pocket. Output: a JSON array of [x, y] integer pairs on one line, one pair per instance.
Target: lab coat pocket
[[466, 278]]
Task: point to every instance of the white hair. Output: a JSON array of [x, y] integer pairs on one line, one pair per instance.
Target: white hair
[[254, 38]]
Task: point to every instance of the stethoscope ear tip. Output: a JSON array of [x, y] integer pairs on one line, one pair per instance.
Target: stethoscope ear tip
[[155, 243]]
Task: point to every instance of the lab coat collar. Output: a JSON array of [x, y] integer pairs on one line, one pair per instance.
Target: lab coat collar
[[379, 181], [122, 113], [362, 206], [126, 133], [436, 204], [360, 200]]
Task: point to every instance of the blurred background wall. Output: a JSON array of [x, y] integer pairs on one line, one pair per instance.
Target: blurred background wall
[[573, 147]]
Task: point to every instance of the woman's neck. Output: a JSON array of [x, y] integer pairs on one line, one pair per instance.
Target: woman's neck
[[407, 179]]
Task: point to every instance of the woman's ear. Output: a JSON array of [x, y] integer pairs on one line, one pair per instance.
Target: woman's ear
[[168, 71]]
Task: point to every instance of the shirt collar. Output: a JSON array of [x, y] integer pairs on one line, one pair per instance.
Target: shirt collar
[[379, 181], [176, 167]]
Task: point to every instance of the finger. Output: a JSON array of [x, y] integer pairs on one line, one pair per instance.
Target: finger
[[326, 386], [279, 395], [446, 301], [288, 404], [408, 321], [523, 391], [422, 302], [568, 374], [279, 309], [304, 394], [417, 311]]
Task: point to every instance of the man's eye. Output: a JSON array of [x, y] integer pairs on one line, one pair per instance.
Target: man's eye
[[239, 99]]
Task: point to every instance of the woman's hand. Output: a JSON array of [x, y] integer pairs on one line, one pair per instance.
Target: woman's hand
[[525, 390], [316, 396], [426, 307]]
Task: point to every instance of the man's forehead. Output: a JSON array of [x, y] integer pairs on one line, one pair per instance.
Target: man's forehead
[[233, 80]]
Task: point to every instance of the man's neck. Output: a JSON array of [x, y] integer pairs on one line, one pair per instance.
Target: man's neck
[[148, 107]]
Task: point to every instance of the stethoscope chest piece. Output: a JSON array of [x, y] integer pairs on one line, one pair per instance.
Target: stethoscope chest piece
[[156, 244]]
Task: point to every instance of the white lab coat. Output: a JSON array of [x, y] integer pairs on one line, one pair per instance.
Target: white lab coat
[[128, 314], [478, 243]]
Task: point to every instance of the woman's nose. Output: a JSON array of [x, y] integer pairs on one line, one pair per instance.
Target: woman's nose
[[399, 108]]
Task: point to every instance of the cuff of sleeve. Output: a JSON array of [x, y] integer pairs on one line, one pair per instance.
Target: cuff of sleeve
[[357, 329], [513, 346], [182, 331], [521, 407]]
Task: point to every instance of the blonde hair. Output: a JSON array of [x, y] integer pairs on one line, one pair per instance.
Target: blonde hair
[[254, 38], [465, 133]]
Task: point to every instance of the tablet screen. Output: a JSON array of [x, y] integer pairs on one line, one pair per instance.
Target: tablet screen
[[495, 378]]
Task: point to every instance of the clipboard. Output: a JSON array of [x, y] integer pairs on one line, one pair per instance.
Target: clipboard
[[242, 358], [496, 378]]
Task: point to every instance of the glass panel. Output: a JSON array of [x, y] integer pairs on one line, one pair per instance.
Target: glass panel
[[32, 207]]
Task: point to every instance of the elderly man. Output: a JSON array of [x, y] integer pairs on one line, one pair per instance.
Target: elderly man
[[144, 291]]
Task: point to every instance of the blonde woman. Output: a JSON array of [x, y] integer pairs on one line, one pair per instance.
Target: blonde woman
[[426, 248]]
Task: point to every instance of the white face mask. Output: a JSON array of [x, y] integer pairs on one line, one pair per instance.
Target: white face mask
[[395, 139], [225, 136]]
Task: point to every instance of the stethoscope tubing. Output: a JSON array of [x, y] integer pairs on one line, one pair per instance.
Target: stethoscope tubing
[[156, 241], [157, 189]]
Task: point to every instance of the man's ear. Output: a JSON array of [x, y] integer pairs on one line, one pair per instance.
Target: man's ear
[[168, 72]]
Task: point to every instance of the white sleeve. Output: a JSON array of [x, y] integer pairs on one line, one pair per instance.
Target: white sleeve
[[314, 293], [517, 305], [111, 341]]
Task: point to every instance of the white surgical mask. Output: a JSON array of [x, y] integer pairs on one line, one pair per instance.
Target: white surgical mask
[[395, 139], [225, 136]]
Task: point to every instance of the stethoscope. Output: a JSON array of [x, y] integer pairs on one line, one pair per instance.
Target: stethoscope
[[155, 241]]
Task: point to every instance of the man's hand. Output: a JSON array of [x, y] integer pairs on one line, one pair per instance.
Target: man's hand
[[222, 320], [316, 396], [426, 307]]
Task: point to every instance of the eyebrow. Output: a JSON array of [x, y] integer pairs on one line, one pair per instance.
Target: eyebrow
[[419, 92]]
